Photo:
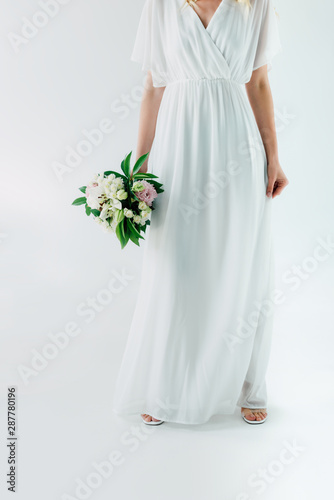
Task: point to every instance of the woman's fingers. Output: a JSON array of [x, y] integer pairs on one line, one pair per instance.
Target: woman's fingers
[[277, 180], [279, 186], [271, 184]]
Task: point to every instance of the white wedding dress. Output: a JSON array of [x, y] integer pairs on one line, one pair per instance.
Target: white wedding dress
[[200, 338]]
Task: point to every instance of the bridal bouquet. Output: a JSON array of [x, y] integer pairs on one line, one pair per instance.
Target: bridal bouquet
[[122, 203]]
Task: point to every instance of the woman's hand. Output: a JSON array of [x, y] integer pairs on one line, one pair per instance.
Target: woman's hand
[[277, 180]]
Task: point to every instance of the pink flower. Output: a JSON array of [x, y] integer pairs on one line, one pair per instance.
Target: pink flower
[[148, 194]]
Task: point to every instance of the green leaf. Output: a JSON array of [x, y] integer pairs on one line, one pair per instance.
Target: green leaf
[[122, 234], [125, 232], [131, 234], [88, 210], [79, 201], [83, 189], [133, 230], [119, 233], [134, 239], [142, 175], [126, 239], [139, 163], [123, 222], [125, 166], [95, 212]]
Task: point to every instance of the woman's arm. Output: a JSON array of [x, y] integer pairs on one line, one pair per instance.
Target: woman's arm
[[261, 101], [148, 118]]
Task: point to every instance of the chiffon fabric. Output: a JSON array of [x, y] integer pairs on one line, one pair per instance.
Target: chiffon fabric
[[200, 337]]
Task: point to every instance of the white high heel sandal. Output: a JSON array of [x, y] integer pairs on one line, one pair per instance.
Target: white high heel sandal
[[152, 422], [254, 421]]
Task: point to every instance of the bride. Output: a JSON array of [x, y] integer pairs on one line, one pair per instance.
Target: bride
[[200, 337]]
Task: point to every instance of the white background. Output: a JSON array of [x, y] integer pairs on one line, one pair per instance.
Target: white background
[[67, 77]]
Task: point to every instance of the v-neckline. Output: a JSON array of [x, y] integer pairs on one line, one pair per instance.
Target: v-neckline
[[212, 17]]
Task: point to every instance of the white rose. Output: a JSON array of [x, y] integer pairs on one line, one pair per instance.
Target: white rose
[[142, 205], [137, 219], [144, 215], [128, 213]]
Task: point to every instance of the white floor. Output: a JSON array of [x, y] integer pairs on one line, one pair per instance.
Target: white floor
[[66, 423]]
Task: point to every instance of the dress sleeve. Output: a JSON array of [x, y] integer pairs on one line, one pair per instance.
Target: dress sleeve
[[148, 49], [269, 43]]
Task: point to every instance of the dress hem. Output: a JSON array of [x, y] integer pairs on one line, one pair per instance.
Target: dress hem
[[128, 414]]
